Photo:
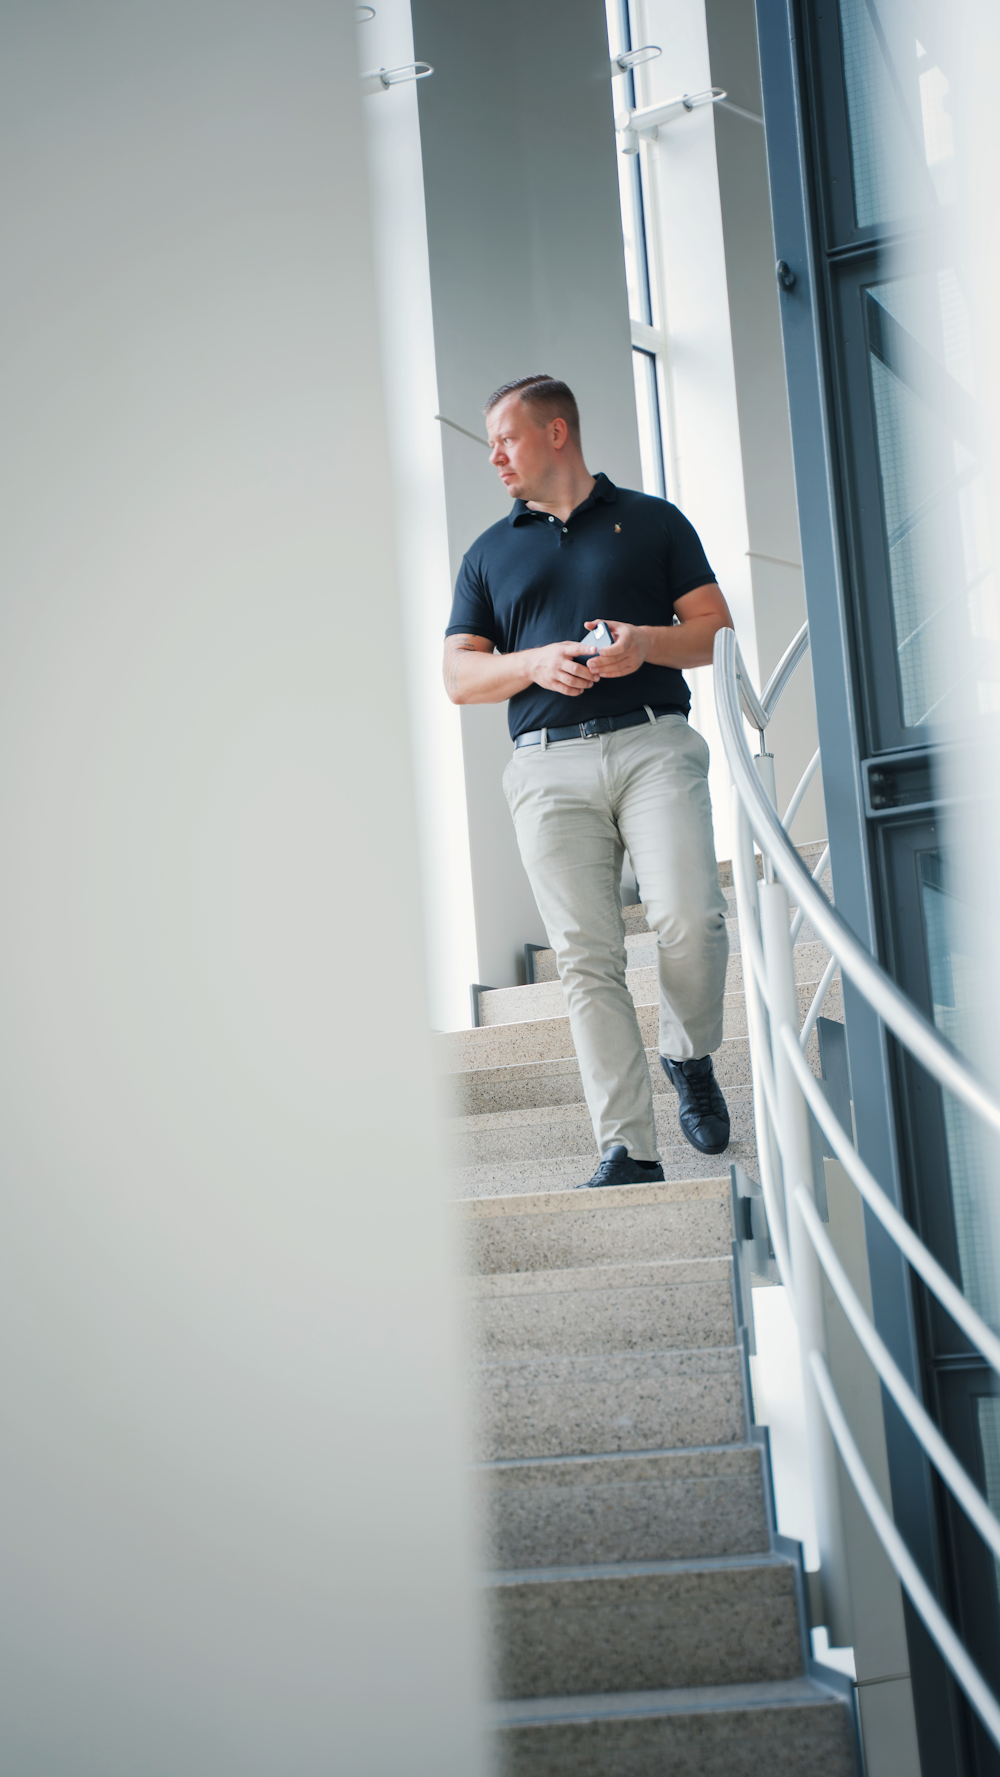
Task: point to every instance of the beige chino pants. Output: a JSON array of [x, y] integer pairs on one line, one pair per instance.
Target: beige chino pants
[[577, 805]]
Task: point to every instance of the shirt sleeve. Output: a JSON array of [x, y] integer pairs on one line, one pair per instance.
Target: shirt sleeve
[[471, 607], [687, 563]]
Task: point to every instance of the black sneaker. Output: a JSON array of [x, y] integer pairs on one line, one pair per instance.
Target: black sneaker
[[702, 1111], [617, 1168]]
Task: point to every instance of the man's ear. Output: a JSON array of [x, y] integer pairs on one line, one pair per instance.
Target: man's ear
[[560, 433]]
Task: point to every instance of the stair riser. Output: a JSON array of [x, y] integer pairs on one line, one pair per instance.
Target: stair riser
[[569, 1131], [692, 1229], [589, 1323], [641, 953], [586, 1406], [549, 1039], [654, 1508], [527, 1176], [540, 1084], [563, 1638], [796, 1741], [548, 1003], [546, 999]]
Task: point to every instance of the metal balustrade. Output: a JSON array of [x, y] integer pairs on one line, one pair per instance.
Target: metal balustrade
[[785, 1091]]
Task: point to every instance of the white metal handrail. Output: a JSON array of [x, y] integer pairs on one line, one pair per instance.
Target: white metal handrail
[[784, 1087], [893, 1006]]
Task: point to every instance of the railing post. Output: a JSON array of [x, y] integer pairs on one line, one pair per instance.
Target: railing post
[[796, 1160], [745, 884]]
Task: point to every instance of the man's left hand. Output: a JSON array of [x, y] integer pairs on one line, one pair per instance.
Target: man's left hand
[[627, 655]]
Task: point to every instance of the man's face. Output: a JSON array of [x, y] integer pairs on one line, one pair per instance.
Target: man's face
[[523, 453]]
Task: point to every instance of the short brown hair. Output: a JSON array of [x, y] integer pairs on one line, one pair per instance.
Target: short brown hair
[[546, 396]]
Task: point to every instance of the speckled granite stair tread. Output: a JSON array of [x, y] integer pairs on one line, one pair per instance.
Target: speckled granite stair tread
[[642, 1622], [503, 1179], [549, 1039], [516, 1005], [594, 1310], [570, 1230], [651, 1625], [788, 1728], [811, 958], [732, 1064], [583, 1406], [550, 1132], [637, 1275], [636, 1506], [534, 1084]]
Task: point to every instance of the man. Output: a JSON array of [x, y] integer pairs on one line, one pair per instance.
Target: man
[[604, 759]]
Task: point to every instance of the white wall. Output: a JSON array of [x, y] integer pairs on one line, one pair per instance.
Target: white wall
[[233, 1537]]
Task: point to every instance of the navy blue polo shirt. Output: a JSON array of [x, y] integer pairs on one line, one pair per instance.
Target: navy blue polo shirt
[[531, 580]]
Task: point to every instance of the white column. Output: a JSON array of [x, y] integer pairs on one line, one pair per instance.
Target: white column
[[686, 244], [234, 1528]]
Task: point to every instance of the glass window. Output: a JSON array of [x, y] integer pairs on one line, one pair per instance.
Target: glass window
[[902, 141], [988, 1412], [647, 409], [640, 303], [927, 423], [955, 950], [640, 307]]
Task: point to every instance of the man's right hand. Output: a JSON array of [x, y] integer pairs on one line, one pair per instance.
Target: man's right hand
[[474, 674], [556, 668]]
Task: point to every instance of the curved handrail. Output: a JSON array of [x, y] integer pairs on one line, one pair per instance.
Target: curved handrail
[[896, 1226], [968, 1674], [914, 1412], [756, 816], [772, 692], [906, 1022], [751, 703]]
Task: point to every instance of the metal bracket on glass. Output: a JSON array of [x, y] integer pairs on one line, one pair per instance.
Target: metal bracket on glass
[[634, 58], [645, 124], [379, 80]]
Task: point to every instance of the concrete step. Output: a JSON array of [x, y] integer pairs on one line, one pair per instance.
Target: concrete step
[[652, 1506], [530, 1085], [552, 1131], [735, 1015], [643, 1626], [785, 1728], [549, 1039], [517, 1177], [634, 916], [589, 1406], [640, 952], [563, 1230], [512, 1005], [597, 1309]]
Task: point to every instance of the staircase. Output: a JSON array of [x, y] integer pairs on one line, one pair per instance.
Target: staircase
[[645, 1617]]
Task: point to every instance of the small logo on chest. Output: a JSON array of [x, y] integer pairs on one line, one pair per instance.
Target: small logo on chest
[[617, 529]]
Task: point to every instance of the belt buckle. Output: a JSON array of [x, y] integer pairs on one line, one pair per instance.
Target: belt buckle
[[587, 730]]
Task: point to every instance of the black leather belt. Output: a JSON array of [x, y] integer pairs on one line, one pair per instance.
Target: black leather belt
[[599, 725]]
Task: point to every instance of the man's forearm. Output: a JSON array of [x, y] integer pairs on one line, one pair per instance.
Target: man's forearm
[[472, 676], [683, 644]]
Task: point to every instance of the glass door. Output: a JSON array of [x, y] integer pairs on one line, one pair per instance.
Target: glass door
[[907, 432]]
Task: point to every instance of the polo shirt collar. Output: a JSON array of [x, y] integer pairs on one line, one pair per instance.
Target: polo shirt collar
[[603, 489]]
